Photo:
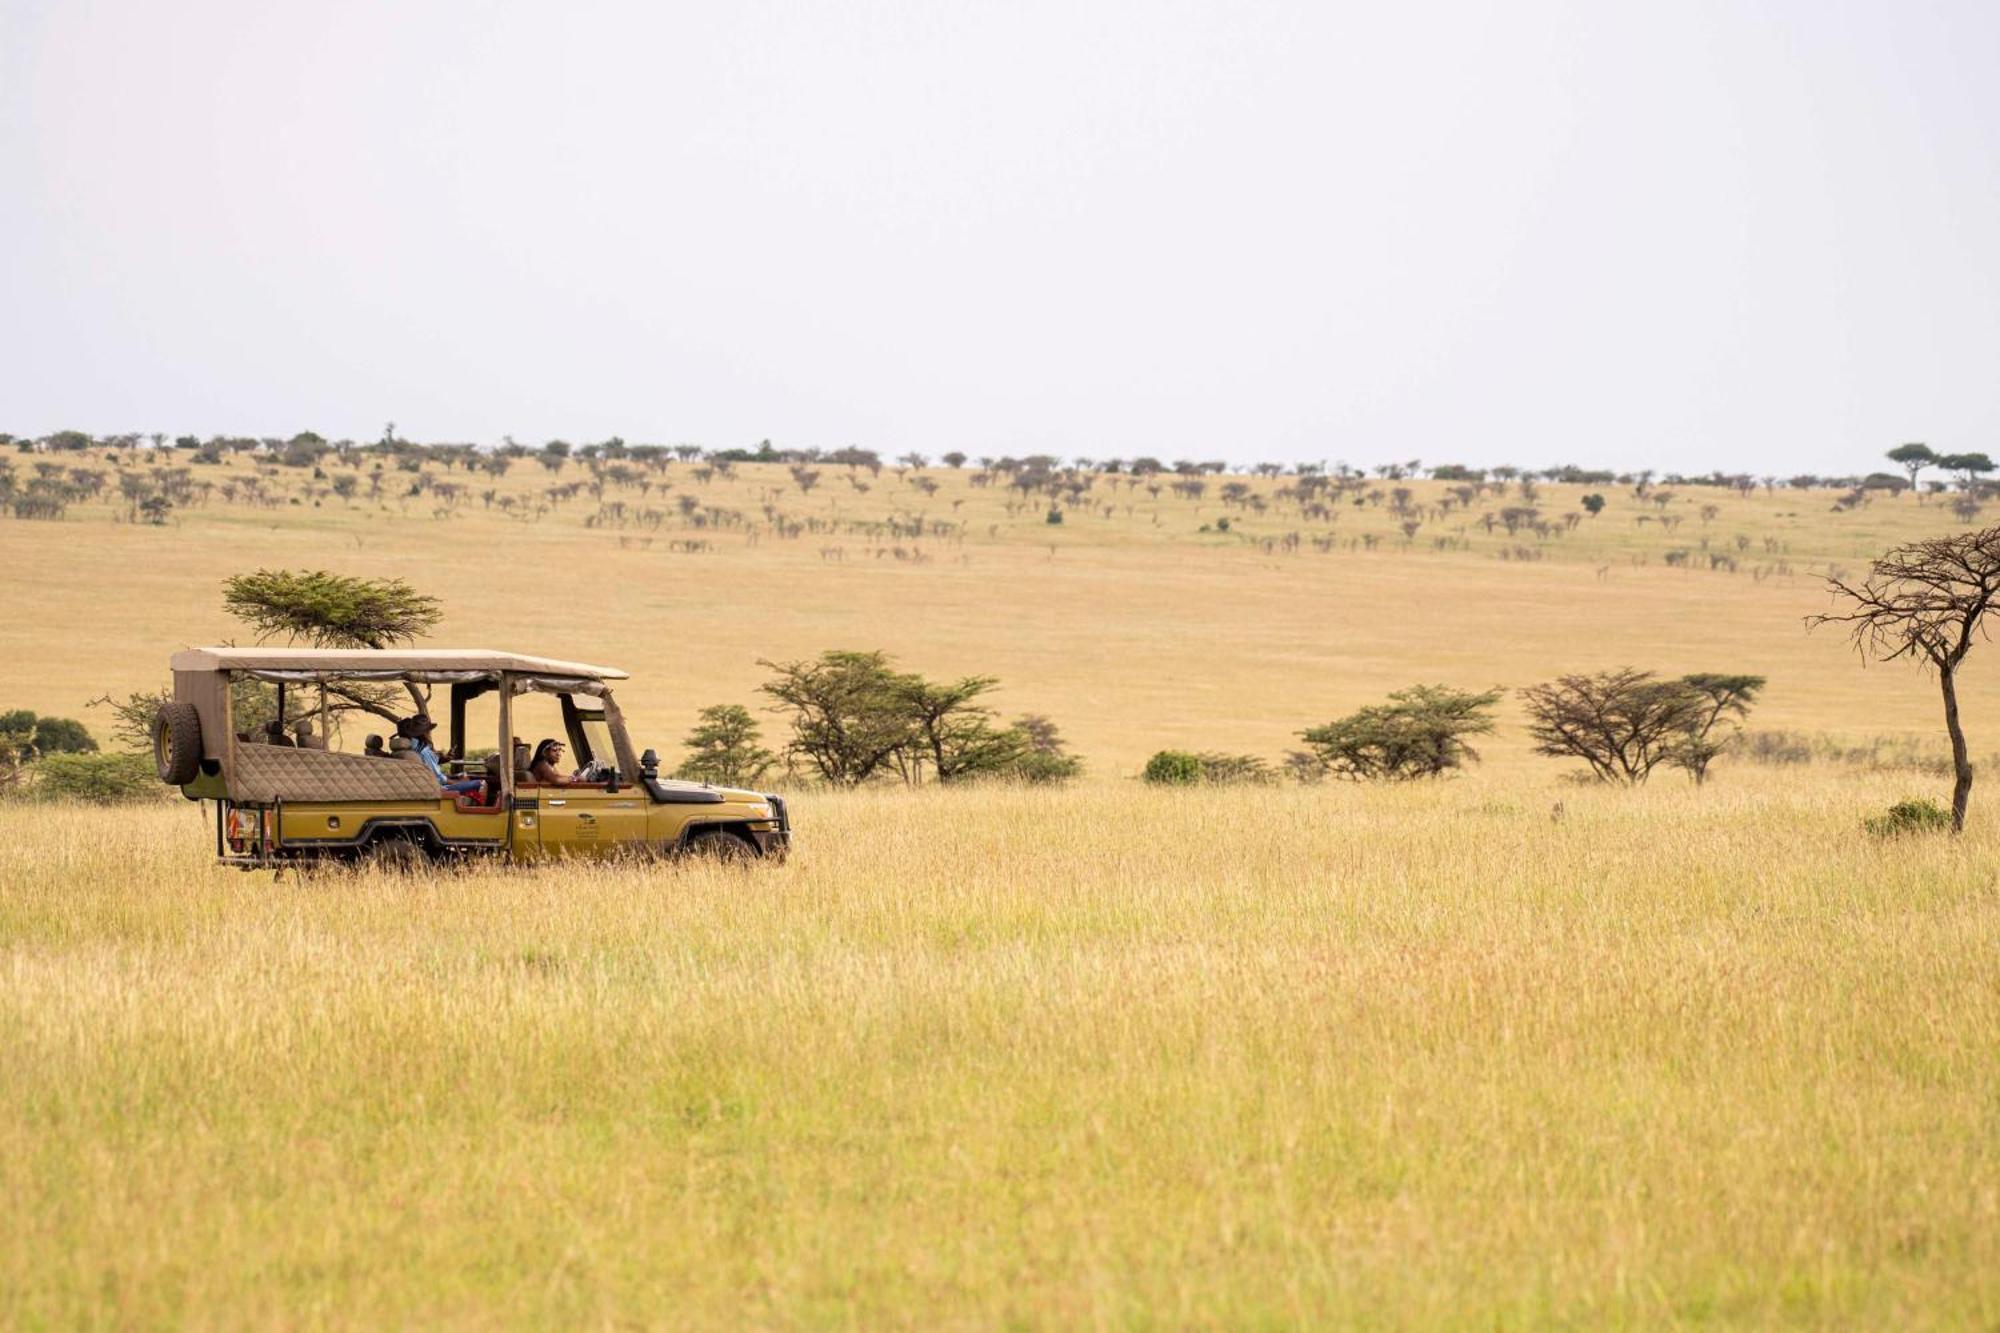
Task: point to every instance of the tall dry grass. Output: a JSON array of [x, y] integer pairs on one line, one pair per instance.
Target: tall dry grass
[[1443, 1056]]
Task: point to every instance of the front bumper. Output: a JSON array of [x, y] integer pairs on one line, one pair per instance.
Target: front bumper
[[776, 842]]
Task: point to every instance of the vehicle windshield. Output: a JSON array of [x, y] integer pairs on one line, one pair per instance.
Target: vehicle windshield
[[597, 734]]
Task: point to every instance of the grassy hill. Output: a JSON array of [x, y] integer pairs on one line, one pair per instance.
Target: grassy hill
[[1502, 1051], [1135, 622]]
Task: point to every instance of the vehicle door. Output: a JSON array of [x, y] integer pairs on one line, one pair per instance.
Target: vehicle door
[[589, 820], [592, 818]]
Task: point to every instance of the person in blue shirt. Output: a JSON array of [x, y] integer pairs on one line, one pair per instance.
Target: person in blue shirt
[[419, 729]]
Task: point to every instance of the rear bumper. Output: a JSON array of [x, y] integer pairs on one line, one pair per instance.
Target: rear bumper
[[265, 862]]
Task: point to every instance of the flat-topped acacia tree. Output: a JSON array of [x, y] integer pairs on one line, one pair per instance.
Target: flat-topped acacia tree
[[330, 610], [1927, 601], [334, 611]]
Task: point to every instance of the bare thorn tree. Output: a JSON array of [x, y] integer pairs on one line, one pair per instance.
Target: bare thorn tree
[[1927, 602]]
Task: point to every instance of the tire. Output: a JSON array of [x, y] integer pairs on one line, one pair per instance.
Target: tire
[[722, 846], [177, 743], [395, 856]]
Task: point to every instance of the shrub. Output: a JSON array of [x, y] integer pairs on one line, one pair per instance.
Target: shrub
[[102, 779], [62, 735], [1173, 768], [26, 736], [1921, 815], [1181, 768], [1045, 760], [1226, 769], [1040, 769], [1776, 747]]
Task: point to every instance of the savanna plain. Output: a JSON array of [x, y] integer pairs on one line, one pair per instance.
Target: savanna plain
[[1505, 1050]]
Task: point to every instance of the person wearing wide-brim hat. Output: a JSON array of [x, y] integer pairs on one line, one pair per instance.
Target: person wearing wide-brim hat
[[419, 728]]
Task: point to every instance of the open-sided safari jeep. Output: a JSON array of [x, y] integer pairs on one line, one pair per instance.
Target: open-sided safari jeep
[[283, 802]]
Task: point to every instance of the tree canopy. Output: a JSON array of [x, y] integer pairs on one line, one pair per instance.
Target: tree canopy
[[723, 749], [1420, 733], [330, 610], [855, 718], [1622, 723]]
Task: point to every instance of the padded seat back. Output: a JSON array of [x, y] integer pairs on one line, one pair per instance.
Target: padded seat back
[[267, 773]]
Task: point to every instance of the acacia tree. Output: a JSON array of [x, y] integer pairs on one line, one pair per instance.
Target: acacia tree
[[954, 732], [847, 721], [854, 718], [1718, 696], [1623, 723], [1926, 602], [334, 611], [1420, 733], [1969, 467], [1913, 458], [723, 749], [330, 610]]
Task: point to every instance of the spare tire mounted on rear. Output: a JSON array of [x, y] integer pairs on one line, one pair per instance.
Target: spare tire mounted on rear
[[177, 743]]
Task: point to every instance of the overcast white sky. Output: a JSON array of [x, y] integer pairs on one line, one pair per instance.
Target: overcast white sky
[[1681, 234]]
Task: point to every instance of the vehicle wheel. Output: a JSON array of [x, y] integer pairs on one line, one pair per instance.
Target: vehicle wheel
[[177, 743], [395, 856], [721, 845]]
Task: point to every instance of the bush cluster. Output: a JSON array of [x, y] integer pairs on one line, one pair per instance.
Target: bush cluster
[[1623, 724], [101, 779], [1183, 768], [1921, 815], [55, 759]]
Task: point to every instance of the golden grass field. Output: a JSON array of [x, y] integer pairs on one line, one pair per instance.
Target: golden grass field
[[1503, 1051]]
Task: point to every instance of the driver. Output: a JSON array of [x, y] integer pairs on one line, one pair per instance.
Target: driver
[[546, 766]]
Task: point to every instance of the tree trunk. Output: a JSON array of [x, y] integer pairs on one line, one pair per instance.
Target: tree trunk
[[1961, 766]]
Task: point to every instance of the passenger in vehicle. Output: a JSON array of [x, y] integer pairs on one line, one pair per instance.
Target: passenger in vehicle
[[274, 734], [372, 747], [419, 728], [546, 766], [304, 738]]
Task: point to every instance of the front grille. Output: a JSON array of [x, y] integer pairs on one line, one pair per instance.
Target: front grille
[[784, 816]]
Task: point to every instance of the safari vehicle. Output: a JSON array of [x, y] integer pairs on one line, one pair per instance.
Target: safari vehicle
[[279, 804]]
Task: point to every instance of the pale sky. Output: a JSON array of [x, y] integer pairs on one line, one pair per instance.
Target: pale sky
[[1679, 235]]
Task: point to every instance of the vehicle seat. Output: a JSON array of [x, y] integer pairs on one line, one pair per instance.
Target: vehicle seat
[[487, 798]]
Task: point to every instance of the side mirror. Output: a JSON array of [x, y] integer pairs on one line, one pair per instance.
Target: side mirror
[[649, 763]]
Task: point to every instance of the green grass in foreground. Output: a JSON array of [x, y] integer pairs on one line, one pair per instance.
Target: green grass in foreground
[[1111, 1056]]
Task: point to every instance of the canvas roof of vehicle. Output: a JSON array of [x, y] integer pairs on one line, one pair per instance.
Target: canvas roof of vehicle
[[386, 659]]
